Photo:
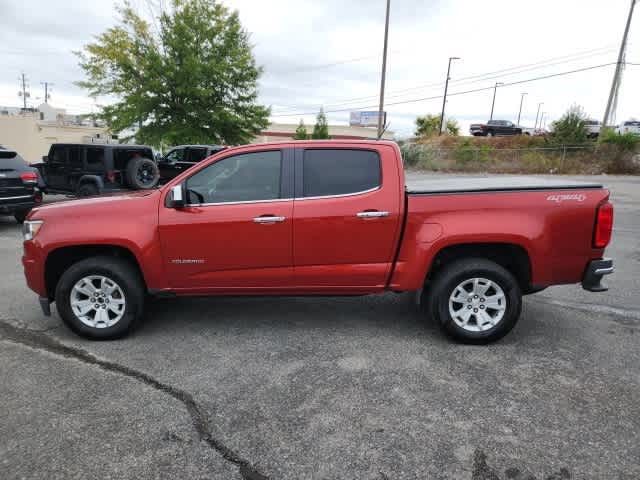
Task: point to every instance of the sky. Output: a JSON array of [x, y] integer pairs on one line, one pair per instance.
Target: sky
[[328, 53]]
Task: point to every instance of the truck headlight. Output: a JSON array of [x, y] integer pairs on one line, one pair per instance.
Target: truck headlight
[[30, 228]]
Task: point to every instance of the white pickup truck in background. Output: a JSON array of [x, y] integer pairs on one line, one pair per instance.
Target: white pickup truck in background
[[630, 126]]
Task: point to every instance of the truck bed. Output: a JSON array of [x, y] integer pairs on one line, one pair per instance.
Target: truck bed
[[491, 184]]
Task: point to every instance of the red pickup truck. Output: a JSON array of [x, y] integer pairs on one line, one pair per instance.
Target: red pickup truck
[[318, 218]]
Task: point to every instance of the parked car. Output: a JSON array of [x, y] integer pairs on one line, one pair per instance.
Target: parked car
[[319, 218], [19, 191], [630, 126], [495, 127], [91, 169], [180, 158], [593, 128]]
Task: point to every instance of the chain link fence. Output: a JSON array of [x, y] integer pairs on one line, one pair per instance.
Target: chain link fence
[[589, 159]]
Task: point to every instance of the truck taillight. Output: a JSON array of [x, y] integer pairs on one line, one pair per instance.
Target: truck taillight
[[29, 178], [111, 176], [604, 225]]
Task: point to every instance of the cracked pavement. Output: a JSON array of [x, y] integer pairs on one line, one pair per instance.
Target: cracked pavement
[[327, 388]]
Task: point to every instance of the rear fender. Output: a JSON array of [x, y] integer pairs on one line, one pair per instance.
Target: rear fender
[[423, 241]]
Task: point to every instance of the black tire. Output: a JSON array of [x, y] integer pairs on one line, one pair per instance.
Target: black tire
[[490, 134], [456, 273], [21, 215], [115, 269], [142, 174], [88, 189]]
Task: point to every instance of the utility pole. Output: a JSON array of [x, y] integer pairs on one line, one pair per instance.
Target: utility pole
[[520, 111], [23, 93], [446, 87], [617, 76], [541, 119], [46, 90], [495, 89], [537, 115], [381, 119]]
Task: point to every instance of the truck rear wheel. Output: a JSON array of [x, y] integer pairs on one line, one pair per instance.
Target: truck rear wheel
[[100, 298], [475, 300], [142, 173]]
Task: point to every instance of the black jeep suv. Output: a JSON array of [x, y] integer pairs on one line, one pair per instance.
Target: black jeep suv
[[91, 169], [19, 191]]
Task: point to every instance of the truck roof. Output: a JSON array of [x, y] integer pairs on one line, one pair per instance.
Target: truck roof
[[320, 142]]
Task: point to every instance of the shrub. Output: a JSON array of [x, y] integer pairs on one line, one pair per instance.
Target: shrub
[[628, 142], [429, 126], [570, 129]]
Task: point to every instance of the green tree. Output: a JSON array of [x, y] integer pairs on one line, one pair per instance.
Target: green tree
[[570, 129], [301, 132], [321, 128], [192, 79], [429, 126]]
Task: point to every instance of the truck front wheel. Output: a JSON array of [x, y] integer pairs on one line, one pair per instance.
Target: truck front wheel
[[475, 300], [100, 298]]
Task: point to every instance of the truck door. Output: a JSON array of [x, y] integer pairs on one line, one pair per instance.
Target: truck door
[[346, 217], [235, 233]]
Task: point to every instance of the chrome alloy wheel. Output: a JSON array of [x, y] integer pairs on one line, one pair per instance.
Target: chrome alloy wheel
[[97, 301], [477, 304]]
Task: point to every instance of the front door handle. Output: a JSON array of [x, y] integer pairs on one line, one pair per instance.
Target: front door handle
[[268, 219], [372, 214]]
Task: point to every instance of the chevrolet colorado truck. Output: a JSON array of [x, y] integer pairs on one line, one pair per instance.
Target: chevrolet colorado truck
[[318, 218]]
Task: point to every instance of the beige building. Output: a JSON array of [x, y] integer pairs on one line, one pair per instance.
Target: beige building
[[31, 136], [285, 131]]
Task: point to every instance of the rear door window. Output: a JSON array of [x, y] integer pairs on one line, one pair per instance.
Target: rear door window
[[328, 172]]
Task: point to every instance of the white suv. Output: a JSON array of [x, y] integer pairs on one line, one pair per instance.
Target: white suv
[[630, 126]]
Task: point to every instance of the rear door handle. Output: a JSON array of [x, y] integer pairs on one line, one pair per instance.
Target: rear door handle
[[372, 214], [268, 219]]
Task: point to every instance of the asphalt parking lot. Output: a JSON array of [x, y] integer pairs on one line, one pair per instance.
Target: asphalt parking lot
[[309, 388]]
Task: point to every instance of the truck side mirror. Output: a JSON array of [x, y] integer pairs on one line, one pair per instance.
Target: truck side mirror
[[177, 196], [45, 158]]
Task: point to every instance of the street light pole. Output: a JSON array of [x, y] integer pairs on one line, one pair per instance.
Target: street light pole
[[383, 74], [446, 87], [537, 115], [520, 111], [495, 89], [618, 73]]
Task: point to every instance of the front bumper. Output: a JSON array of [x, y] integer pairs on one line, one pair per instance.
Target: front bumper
[[596, 269]]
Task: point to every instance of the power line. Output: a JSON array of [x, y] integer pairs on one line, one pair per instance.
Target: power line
[[477, 78], [415, 100]]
